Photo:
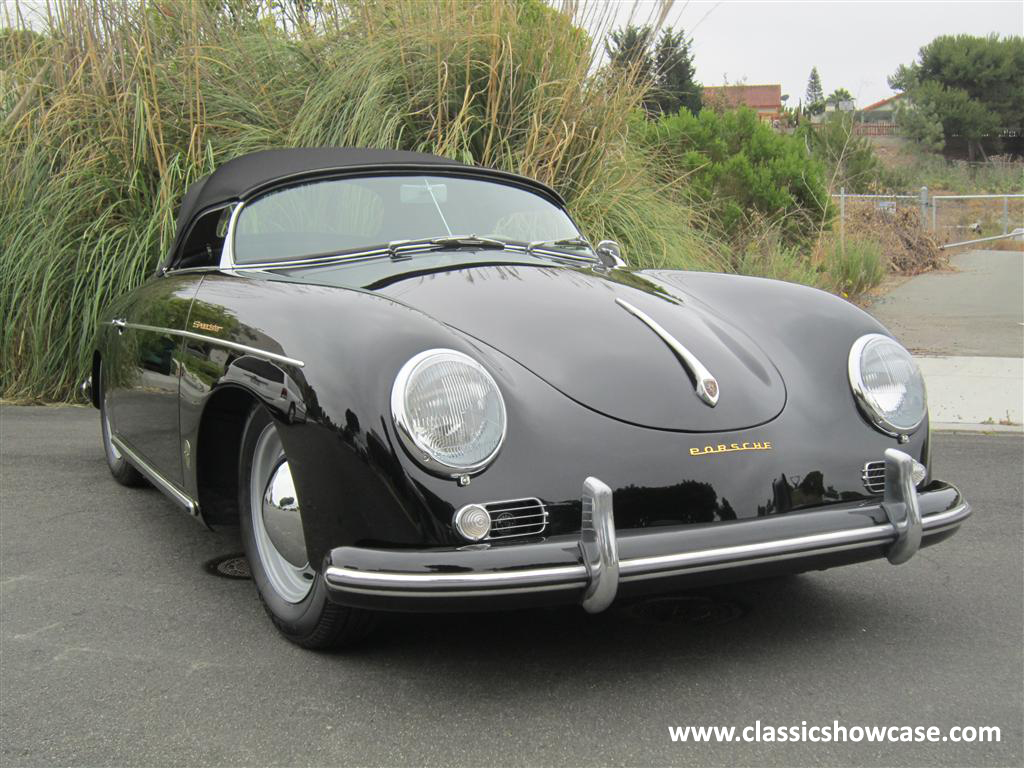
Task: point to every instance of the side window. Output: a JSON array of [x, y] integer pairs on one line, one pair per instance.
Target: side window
[[205, 240]]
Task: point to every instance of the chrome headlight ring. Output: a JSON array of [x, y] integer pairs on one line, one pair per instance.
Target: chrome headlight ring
[[438, 394], [868, 394]]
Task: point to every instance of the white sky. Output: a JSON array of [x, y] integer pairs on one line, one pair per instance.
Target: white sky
[[854, 44]]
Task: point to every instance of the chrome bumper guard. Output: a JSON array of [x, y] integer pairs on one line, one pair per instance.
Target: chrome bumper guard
[[901, 506], [600, 570]]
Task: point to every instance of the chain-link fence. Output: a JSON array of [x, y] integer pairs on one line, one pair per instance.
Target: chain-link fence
[[953, 220]]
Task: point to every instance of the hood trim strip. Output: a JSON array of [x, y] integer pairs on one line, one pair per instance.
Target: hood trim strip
[[706, 386]]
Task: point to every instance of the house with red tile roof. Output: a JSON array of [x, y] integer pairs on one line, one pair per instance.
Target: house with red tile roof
[[766, 100], [883, 111]]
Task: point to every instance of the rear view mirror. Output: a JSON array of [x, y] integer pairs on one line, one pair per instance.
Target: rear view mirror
[[610, 254], [423, 194]]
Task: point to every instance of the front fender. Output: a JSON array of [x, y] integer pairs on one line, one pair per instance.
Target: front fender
[[337, 352]]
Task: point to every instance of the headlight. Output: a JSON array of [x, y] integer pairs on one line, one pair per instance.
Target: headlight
[[887, 384], [448, 412]]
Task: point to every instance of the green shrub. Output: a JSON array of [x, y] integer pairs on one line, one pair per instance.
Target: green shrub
[[849, 160], [852, 268], [742, 171], [107, 115]]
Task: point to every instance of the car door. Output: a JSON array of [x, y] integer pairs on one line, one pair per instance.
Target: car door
[[142, 388], [143, 385]]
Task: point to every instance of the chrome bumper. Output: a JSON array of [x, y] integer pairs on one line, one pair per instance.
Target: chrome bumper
[[596, 570]]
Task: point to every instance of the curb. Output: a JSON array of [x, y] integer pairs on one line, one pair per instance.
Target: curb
[[974, 394], [982, 429]]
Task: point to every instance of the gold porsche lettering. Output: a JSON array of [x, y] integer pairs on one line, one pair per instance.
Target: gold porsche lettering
[[213, 327], [763, 445]]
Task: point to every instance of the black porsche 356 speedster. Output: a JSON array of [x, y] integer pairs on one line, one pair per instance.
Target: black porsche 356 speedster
[[415, 385]]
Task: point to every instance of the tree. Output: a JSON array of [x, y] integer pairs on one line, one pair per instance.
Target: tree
[[629, 51], [921, 123], [972, 86], [849, 159], [815, 96], [839, 95], [676, 84], [665, 65]]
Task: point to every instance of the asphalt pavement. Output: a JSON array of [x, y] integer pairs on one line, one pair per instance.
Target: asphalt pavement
[[975, 308], [117, 647]]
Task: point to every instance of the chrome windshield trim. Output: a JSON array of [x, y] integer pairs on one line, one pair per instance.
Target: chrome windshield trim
[[244, 348], [706, 385], [227, 253], [191, 270], [228, 262], [315, 261], [161, 482], [396, 249]]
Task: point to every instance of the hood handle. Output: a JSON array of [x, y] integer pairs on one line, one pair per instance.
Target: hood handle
[[706, 385]]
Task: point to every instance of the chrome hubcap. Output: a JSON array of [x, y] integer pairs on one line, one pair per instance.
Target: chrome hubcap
[[276, 522], [281, 517]]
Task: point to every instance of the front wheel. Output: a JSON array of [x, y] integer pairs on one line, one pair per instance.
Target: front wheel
[[293, 593]]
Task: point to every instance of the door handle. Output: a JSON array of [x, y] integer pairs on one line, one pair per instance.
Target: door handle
[[120, 324]]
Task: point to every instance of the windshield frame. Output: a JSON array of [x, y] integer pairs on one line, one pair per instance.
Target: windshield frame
[[227, 258]]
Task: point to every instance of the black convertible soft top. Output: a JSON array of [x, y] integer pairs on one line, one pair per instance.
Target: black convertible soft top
[[250, 174]]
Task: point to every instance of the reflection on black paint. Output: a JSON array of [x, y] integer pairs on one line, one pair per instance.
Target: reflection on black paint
[[684, 503]]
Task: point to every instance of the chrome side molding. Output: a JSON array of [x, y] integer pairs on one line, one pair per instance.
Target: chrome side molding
[[273, 357], [162, 483], [706, 385], [598, 546], [901, 506]]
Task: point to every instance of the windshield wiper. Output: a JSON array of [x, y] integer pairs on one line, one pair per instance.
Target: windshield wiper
[[404, 249], [567, 242], [558, 248], [397, 250]]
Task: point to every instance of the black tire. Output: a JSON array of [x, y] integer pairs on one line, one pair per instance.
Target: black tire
[[122, 471], [314, 622]]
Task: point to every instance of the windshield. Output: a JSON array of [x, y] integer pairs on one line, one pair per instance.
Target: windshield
[[349, 214]]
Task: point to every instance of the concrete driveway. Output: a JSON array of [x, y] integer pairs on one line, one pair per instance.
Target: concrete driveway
[[976, 309], [117, 647], [966, 327]]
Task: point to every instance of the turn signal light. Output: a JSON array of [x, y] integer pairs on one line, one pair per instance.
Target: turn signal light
[[473, 522]]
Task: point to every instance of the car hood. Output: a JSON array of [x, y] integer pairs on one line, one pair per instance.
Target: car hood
[[565, 325]]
